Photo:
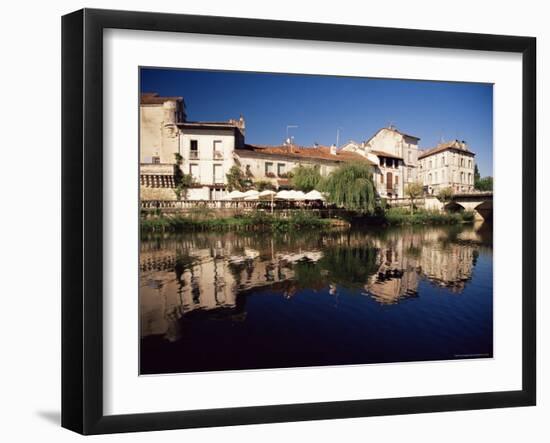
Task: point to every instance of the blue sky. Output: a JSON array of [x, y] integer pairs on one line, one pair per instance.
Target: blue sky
[[319, 105]]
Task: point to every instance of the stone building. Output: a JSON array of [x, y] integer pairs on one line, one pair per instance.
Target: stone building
[[399, 161], [208, 149], [395, 156], [273, 163], [448, 165]]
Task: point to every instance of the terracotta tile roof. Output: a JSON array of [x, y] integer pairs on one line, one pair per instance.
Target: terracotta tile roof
[[455, 144], [152, 98], [304, 152]]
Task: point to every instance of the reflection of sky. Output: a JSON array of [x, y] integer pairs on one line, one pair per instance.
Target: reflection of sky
[[321, 104]]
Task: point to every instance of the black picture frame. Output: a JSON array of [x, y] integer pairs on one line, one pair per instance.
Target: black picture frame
[[82, 217]]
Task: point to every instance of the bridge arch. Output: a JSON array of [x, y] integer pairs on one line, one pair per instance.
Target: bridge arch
[[453, 206], [485, 209]]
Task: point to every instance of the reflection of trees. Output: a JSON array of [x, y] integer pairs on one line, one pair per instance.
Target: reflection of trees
[[202, 272], [349, 266]]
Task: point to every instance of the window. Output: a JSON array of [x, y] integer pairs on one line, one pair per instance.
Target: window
[[461, 162], [218, 174], [470, 164], [155, 160], [462, 177], [217, 193], [409, 157], [435, 178], [218, 150], [281, 169], [194, 171], [430, 179], [396, 180], [430, 164], [194, 149], [269, 169]]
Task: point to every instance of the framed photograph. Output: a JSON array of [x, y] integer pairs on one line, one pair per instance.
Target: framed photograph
[[269, 221]]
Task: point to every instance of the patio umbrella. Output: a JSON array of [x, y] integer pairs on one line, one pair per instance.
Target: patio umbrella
[[297, 195], [268, 194], [250, 193], [233, 195], [283, 195], [314, 195]]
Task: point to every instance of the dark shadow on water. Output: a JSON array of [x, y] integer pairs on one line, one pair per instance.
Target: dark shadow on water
[[54, 417]]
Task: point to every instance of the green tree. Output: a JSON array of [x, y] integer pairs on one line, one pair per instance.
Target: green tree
[[236, 179], [182, 181], [477, 175], [262, 185], [305, 178], [183, 184], [484, 184], [414, 191], [351, 186], [445, 194]]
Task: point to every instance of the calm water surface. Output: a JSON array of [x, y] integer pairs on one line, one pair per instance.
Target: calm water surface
[[211, 301]]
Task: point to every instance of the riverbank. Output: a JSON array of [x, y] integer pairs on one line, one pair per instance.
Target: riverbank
[[399, 216], [303, 220], [258, 221]]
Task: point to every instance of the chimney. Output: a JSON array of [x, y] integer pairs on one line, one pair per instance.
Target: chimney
[[463, 145], [242, 124], [333, 150]]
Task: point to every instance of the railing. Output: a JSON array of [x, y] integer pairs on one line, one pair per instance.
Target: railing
[[400, 202], [197, 204], [183, 205]]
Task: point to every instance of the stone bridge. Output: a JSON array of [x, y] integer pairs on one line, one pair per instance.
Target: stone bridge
[[479, 202]]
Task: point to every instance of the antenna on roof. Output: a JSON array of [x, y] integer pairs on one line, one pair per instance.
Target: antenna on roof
[[287, 128], [391, 125], [338, 136]]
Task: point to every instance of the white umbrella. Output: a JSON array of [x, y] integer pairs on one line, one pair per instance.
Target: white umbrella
[[233, 195], [284, 195], [297, 195], [314, 195], [251, 198], [267, 194], [250, 193]]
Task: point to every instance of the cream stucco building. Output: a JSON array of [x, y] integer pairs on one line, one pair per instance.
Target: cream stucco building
[[448, 165], [395, 156], [208, 149], [399, 161]]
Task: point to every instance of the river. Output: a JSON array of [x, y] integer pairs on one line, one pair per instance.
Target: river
[[229, 301]]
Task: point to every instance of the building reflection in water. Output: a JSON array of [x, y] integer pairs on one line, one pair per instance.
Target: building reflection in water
[[214, 274]]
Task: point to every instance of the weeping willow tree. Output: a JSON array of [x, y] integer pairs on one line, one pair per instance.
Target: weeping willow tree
[[351, 186]]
